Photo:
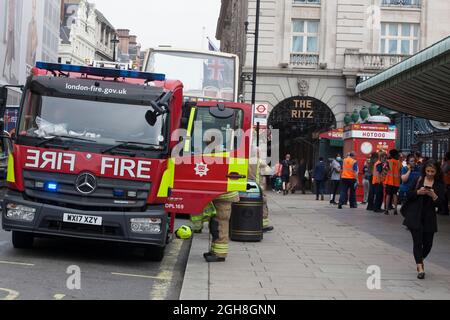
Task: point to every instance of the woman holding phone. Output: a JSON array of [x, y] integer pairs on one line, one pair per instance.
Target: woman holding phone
[[424, 196]]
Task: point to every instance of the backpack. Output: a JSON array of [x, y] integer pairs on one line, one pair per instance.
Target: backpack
[[278, 183]]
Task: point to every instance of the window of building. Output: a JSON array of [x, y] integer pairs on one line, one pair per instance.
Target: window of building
[[400, 38], [307, 1], [405, 3], [305, 36]]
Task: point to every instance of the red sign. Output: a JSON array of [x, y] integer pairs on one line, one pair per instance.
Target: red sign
[[262, 109], [337, 134]]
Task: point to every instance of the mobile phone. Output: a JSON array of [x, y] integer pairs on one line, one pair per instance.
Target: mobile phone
[[428, 188]]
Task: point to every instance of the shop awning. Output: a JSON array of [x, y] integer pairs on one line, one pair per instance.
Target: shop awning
[[336, 137], [418, 86], [336, 134]]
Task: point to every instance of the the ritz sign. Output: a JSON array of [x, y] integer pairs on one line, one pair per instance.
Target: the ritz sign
[[303, 109]]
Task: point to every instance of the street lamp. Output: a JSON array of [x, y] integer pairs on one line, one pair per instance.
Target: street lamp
[[114, 42], [255, 55], [255, 58]]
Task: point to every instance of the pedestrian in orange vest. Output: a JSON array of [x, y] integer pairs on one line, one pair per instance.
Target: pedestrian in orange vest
[[349, 180], [392, 181], [378, 177]]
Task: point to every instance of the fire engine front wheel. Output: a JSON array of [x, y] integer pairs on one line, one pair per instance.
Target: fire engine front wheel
[[22, 240], [154, 253]]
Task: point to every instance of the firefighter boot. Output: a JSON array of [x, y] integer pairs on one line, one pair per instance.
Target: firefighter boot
[[212, 257]]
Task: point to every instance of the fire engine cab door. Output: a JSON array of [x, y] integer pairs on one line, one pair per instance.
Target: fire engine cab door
[[214, 158]]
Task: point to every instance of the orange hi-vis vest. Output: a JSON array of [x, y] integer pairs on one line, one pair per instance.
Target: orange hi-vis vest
[[347, 169], [377, 178], [393, 174]]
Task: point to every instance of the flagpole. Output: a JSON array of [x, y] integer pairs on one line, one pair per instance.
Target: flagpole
[[204, 38]]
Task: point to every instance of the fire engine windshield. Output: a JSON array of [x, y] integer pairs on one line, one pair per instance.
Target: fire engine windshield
[[88, 120]]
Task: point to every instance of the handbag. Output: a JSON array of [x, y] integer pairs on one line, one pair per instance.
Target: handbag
[[307, 175]]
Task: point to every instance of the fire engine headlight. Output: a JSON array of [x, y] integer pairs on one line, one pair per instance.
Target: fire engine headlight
[[146, 225], [19, 212]]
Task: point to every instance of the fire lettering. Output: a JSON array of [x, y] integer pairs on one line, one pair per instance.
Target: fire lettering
[[123, 167], [50, 160]]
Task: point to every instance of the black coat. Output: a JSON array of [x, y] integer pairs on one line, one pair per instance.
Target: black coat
[[320, 172], [420, 211]]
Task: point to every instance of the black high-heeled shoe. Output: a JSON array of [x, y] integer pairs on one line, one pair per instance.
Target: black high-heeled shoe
[[421, 275]]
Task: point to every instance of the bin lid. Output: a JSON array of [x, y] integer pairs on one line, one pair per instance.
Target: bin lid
[[248, 195], [253, 187]]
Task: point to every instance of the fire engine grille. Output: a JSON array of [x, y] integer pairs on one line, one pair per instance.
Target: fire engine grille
[[103, 198], [106, 230]]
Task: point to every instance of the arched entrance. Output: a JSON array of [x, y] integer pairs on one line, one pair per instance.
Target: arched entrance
[[300, 121]]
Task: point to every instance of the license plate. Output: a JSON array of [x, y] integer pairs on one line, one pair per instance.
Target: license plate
[[82, 219]]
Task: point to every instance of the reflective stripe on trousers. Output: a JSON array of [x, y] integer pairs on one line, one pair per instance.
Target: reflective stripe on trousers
[[219, 227], [266, 221], [198, 220]]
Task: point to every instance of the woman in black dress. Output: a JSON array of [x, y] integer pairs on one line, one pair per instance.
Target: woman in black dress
[[424, 197]]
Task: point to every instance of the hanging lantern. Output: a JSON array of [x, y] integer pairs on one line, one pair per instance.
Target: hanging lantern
[[347, 119], [385, 111], [373, 110], [355, 116], [364, 114]]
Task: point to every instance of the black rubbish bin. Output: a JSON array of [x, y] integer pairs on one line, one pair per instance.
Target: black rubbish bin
[[246, 223]]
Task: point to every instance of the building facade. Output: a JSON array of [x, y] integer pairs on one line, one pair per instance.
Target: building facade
[[78, 32], [312, 54], [29, 32], [129, 49], [105, 32]]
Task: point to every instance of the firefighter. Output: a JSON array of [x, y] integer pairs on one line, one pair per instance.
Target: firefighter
[[392, 181], [219, 227], [254, 173], [199, 220], [349, 178]]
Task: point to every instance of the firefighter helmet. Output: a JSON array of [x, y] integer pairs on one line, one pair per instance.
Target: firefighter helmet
[[184, 232]]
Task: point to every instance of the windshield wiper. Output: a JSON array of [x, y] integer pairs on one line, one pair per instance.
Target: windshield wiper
[[44, 142], [125, 144]]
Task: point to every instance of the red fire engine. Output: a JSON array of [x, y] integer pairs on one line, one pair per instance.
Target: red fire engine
[[110, 154]]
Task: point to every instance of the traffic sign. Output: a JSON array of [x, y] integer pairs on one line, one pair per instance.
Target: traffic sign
[[262, 123], [262, 109]]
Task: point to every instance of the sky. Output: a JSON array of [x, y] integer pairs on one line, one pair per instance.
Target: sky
[[178, 23]]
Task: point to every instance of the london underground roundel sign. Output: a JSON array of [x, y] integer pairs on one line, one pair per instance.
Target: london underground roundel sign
[[262, 109]]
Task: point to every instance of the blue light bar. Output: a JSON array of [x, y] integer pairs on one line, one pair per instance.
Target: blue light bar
[[101, 72], [51, 186], [119, 193]]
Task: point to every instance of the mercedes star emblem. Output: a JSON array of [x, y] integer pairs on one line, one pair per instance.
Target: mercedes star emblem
[[86, 183]]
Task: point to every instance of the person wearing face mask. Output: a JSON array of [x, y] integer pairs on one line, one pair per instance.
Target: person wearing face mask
[[425, 195], [335, 181]]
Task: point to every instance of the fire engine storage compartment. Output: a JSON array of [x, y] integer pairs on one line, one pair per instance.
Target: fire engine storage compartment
[[246, 223]]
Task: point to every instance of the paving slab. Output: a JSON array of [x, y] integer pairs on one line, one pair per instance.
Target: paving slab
[[319, 252]]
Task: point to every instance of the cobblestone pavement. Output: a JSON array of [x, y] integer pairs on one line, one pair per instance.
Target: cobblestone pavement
[[319, 252]]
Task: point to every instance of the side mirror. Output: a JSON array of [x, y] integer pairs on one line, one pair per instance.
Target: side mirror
[[151, 117], [221, 112], [3, 100]]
